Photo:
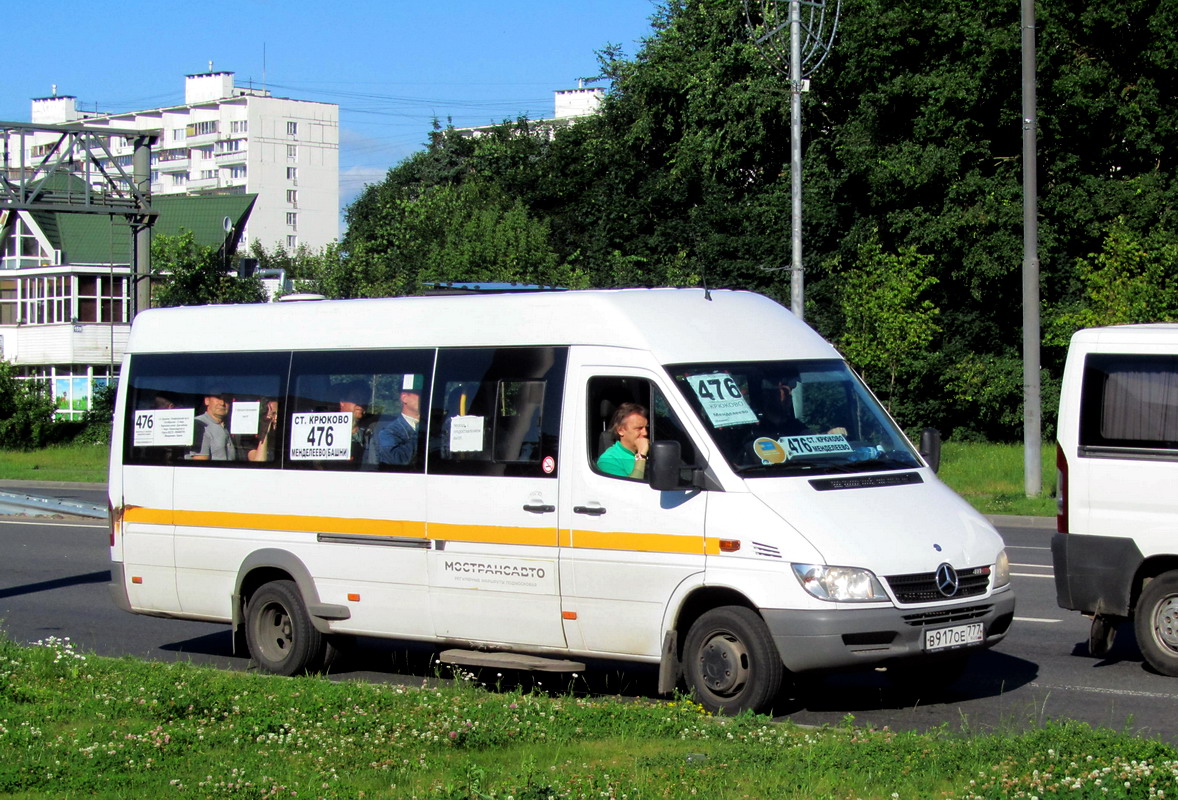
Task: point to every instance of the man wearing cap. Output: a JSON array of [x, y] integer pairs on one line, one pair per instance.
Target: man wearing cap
[[212, 430], [396, 443]]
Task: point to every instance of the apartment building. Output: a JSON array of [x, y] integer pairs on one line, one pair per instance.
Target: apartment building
[[227, 139], [568, 106]]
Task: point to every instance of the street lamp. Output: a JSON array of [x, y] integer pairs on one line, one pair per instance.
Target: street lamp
[[794, 37]]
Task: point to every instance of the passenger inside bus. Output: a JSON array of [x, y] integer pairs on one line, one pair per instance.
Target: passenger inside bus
[[354, 399], [261, 451], [395, 443], [212, 430]]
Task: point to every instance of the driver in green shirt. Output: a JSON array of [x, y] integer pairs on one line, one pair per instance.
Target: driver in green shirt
[[626, 458]]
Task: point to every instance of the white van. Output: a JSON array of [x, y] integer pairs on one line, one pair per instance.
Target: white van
[[1116, 549], [427, 469]]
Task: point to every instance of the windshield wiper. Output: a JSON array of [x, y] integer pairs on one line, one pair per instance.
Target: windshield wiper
[[882, 462], [797, 465], [825, 465]]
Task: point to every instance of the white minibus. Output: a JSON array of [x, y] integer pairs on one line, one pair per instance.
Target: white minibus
[[1115, 552], [431, 469]]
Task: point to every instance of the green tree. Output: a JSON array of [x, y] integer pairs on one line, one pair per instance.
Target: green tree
[[888, 322], [27, 417], [189, 274], [470, 230], [1134, 278], [325, 271]]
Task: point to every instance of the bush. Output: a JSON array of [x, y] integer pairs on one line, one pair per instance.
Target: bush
[[96, 423], [27, 418]]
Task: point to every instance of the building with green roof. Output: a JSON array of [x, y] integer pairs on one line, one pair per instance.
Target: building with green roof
[[65, 287]]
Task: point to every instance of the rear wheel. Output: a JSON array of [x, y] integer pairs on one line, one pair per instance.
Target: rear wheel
[[1156, 623], [730, 661], [279, 632]]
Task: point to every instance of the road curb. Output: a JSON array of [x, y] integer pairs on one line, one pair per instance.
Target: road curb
[[1017, 521], [99, 487]]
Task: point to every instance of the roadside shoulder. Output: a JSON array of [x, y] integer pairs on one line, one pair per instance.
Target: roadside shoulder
[[1022, 521]]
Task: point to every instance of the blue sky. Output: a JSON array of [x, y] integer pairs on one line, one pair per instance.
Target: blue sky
[[392, 66]]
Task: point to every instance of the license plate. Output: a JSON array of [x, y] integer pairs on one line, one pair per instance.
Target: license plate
[[957, 636]]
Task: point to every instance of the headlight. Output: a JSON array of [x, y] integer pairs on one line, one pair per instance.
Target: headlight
[[841, 584], [1001, 570]]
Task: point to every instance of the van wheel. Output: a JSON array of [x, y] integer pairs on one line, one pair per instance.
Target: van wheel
[[279, 632], [1101, 635], [730, 661], [1156, 623]]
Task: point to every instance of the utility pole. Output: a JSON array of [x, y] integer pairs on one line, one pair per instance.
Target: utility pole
[[795, 43], [1032, 405], [797, 291], [141, 224]]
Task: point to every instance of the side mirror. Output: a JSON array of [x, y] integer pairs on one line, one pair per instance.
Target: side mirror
[[930, 447], [662, 468]]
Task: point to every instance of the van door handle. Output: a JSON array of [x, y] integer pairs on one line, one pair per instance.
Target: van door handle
[[593, 511], [540, 509]]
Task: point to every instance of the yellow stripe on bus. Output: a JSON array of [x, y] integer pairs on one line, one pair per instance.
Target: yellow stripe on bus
[[483, 534], [277, 522], [639, 542]]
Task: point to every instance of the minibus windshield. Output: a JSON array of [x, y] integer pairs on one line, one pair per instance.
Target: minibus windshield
[[773, 418]]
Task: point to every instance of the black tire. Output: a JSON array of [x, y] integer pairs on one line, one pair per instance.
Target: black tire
[[1101, 635], [730, 661], [1156, 623], [279, 632]]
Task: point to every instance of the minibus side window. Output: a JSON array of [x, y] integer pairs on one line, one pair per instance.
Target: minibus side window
[[496, 411], [606, 393], [206, 409], [1129, 402], [358, 410]]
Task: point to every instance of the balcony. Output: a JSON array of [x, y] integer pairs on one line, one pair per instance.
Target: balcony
[[196, 184], [232, 156], [172, 166], [198, 133]]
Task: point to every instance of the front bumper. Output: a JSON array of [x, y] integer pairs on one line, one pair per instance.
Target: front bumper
[[845, 636]]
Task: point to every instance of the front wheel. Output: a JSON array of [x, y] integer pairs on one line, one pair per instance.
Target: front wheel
[[279, 632], [1156, 623], [730, 661]]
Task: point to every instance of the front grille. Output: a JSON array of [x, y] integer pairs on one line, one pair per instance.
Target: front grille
[[944, 616], [921, 587]]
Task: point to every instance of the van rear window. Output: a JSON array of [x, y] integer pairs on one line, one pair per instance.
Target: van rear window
[[1130, 401]]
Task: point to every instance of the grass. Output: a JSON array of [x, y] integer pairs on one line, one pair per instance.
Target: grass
[[85, 463], [991, 477], [75, 725]]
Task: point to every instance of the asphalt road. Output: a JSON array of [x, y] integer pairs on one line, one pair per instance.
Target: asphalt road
[[54, 575]]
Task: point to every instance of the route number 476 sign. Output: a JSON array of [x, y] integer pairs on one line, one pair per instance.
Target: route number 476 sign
[[722, 400]]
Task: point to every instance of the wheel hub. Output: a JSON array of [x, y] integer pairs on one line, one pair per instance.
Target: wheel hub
[[724, 664], [1165, 622], [277, 624]]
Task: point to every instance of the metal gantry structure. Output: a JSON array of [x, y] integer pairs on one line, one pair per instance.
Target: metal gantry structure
[[30, 161], [794, 36]]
